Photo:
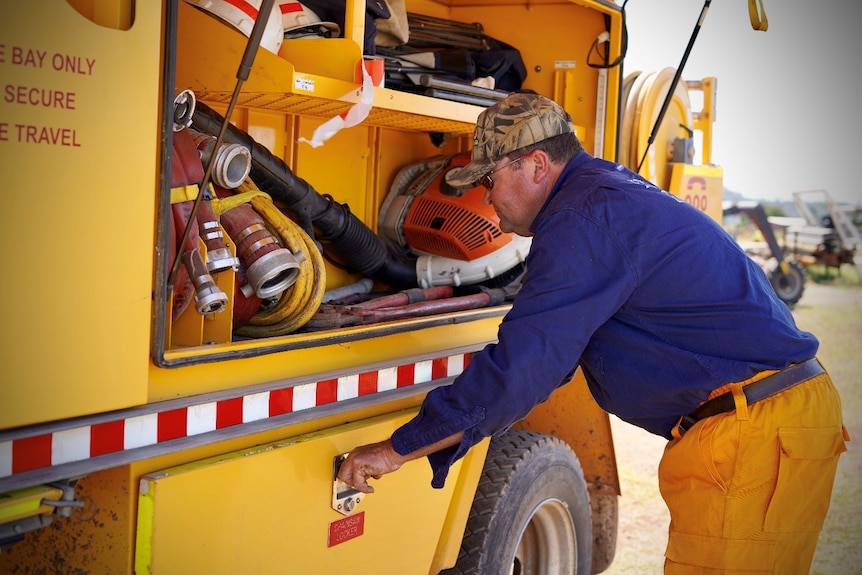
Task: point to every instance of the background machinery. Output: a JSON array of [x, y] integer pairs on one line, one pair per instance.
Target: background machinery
[[827, 235]]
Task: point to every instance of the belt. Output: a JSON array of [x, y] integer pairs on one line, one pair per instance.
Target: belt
[[761, 389]]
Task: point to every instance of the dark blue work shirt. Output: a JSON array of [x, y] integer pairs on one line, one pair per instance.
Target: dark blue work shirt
[[651, 297]]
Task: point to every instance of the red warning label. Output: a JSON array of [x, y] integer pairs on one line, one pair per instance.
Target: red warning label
[[346, 529]]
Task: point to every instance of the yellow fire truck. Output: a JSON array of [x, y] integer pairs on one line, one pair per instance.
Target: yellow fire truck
[[230, 259]]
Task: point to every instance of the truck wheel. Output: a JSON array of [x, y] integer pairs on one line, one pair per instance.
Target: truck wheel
[[789, 286], [531, 512]]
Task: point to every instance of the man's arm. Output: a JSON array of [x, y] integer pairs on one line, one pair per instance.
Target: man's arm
[[377, 459]]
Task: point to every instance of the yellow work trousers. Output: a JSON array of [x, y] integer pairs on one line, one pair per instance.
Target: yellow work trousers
[[748, 490]]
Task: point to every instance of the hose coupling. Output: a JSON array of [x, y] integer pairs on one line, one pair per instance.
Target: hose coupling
[[232, 162], [219, 256], [270, 268], [208, 297], [184, 110], [272, 273]]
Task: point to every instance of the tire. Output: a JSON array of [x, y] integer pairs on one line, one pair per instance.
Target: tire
[[788, 287], [531, 512]]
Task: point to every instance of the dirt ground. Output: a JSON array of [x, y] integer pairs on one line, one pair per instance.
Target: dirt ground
[[834, 315]]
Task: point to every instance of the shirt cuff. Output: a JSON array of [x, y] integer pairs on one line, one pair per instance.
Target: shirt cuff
[[420, 432], [444, 459]]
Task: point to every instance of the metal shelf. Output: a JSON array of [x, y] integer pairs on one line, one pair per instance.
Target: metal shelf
[[308, 77]]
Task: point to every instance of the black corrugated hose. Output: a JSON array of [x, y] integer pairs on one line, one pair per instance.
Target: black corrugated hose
[[348, 236]]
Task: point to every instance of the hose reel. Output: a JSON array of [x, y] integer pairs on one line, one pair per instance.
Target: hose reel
[[643, 98]]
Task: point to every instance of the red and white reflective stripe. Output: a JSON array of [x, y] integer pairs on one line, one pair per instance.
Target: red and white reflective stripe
[[76, 444]]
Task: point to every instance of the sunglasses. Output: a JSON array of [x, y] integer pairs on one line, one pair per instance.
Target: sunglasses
[[488, 182]]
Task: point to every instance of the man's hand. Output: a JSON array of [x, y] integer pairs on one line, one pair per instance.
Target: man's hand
[[376, 459], [373, 460]]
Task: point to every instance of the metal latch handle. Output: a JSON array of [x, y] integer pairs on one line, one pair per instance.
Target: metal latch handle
[[344, 497]]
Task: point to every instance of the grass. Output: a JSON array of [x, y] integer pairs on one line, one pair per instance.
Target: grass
[[846, 275]]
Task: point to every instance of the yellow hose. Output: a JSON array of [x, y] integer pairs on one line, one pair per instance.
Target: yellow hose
[[299, 302]]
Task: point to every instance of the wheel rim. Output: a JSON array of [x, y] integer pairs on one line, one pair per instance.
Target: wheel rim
[[547, 545]]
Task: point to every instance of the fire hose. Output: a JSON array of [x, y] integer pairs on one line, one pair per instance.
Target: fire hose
[[193, 278], [207, 296], [299, 302], [265, 268]]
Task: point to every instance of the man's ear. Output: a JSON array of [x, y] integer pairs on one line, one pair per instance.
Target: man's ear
[[540, 163]]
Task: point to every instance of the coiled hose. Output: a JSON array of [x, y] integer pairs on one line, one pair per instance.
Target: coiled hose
[[298, 303]]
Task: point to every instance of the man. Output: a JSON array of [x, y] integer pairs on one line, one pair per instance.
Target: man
[[676, 330]]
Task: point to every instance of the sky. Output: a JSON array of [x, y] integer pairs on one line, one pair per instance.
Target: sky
[[789, 100]]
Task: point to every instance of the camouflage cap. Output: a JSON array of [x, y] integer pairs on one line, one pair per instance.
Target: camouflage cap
[[514, 122]]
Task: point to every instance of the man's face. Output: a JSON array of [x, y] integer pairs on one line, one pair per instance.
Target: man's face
[[508, 190]]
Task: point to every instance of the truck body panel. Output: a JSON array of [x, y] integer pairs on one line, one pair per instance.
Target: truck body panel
[[85, 164]]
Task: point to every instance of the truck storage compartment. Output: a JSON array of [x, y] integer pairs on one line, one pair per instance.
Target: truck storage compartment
[[339, 184], [294, 519]]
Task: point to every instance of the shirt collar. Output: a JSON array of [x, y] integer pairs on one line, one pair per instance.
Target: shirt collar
[[574, 164]]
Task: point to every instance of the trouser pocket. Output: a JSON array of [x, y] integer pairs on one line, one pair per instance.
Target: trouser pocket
[[806, 470]]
